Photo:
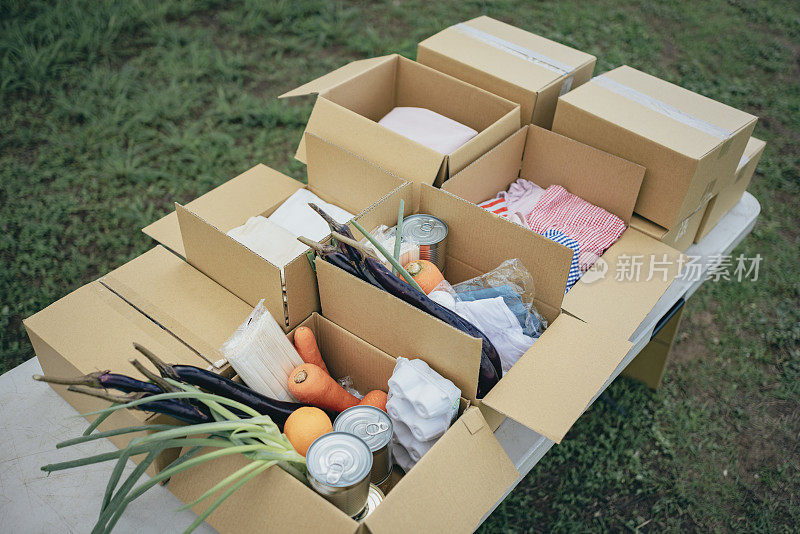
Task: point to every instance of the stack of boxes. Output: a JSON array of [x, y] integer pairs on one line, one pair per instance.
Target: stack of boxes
[[668, 162]]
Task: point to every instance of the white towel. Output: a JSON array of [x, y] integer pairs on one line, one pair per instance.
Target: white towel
[[273, 243], [295, 216], [428, 128]]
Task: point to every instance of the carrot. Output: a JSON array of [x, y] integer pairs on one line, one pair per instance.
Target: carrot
[[375, 398], [306, 345], [426, 274], [310, 384]]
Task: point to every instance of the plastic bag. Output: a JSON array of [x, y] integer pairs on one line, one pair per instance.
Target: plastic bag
[[261, 355], [385, 236], [512, 281], [347, 384]]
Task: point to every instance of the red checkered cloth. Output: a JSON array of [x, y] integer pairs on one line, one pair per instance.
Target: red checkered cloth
[[592, 227]]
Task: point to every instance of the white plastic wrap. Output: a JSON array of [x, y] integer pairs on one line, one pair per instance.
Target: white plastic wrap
[[385, 236], [261, 354], [422, 405]]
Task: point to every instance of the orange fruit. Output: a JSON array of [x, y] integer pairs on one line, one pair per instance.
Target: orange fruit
[[304, 425], [426, 274]]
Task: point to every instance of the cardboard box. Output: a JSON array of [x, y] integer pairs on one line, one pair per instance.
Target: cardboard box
[[351, 100], [732, 189], [681, 236], [685, 141], [508, 61], [551, 385], [603, 299], [157, 300], [650, 364], [421, 498], [334, 175]]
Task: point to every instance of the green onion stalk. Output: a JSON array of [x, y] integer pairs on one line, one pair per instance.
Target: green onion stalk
[[256, 437]]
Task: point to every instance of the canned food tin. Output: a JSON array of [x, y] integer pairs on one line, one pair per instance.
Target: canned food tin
[[374, 498], [338, 466], [373, 426], [430, 233]]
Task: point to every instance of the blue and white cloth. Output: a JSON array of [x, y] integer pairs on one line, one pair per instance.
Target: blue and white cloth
[[574, 268]]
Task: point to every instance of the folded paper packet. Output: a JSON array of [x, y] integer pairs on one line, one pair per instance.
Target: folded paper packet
[[270, 241]]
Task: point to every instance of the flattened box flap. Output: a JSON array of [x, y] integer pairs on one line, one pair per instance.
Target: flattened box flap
[[453, 485], [226, 204], [556, 379], [180, 298], [638, 271]]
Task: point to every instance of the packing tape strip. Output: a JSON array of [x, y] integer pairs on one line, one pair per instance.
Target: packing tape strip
[[517, 50], [662, 107]]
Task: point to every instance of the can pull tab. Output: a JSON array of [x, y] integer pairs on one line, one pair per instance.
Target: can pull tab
[[373, 429], [334, 473], [426, 227]]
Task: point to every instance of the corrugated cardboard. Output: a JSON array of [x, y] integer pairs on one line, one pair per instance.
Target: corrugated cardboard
[[439, 490], [334, 175], [649, 365], [94, 328], [351, 100], [478, 242], [684, 140], [508, 61], [681, 236], [547, 158], [733, 188]]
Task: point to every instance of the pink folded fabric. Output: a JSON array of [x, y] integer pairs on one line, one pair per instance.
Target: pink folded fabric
[[591, 226]]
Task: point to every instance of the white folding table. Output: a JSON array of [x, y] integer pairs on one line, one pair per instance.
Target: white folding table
[[33, 418]]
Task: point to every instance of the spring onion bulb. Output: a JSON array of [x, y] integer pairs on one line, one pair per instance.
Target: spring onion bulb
[[262, 355]]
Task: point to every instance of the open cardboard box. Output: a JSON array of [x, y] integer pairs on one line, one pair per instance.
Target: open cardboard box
[[546, 158], [334, 175], [732, 189], [551, 385], [157, 300], [352, 99], [451, 488], [510, 62], [684, 140]]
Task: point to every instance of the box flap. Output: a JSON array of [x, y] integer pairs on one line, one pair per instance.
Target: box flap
[[180, 298], [227, 205], [234, 266], [453, 485], [344, 178], [648, 227], [414, 334], [94, 330], [639, 270], [556, 379], [479, 145], [754, 147], [274, 501], [371, 141], [334, 78], [607, 181], [492, 172]]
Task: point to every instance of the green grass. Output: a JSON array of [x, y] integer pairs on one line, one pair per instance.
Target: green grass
[[112, 111]]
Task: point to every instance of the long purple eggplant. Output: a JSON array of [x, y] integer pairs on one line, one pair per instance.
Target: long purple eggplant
[[105, 380], [277, 410], [174, 408]]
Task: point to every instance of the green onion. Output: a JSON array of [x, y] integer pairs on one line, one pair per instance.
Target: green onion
[[398, 233]]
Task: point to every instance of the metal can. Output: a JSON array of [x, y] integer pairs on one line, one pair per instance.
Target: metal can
[[430, 233], [338, 466], [372, 425], [374, 498]]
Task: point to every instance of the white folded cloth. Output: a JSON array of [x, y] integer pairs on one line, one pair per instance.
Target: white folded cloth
[[428, 128], [295, 216], [270, 241]]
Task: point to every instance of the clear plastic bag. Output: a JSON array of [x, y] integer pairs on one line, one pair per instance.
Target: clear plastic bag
[[385, 236], [512, 281], [347, 384]]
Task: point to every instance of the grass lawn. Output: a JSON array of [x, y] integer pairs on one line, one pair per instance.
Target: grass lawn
[[112, 111]]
